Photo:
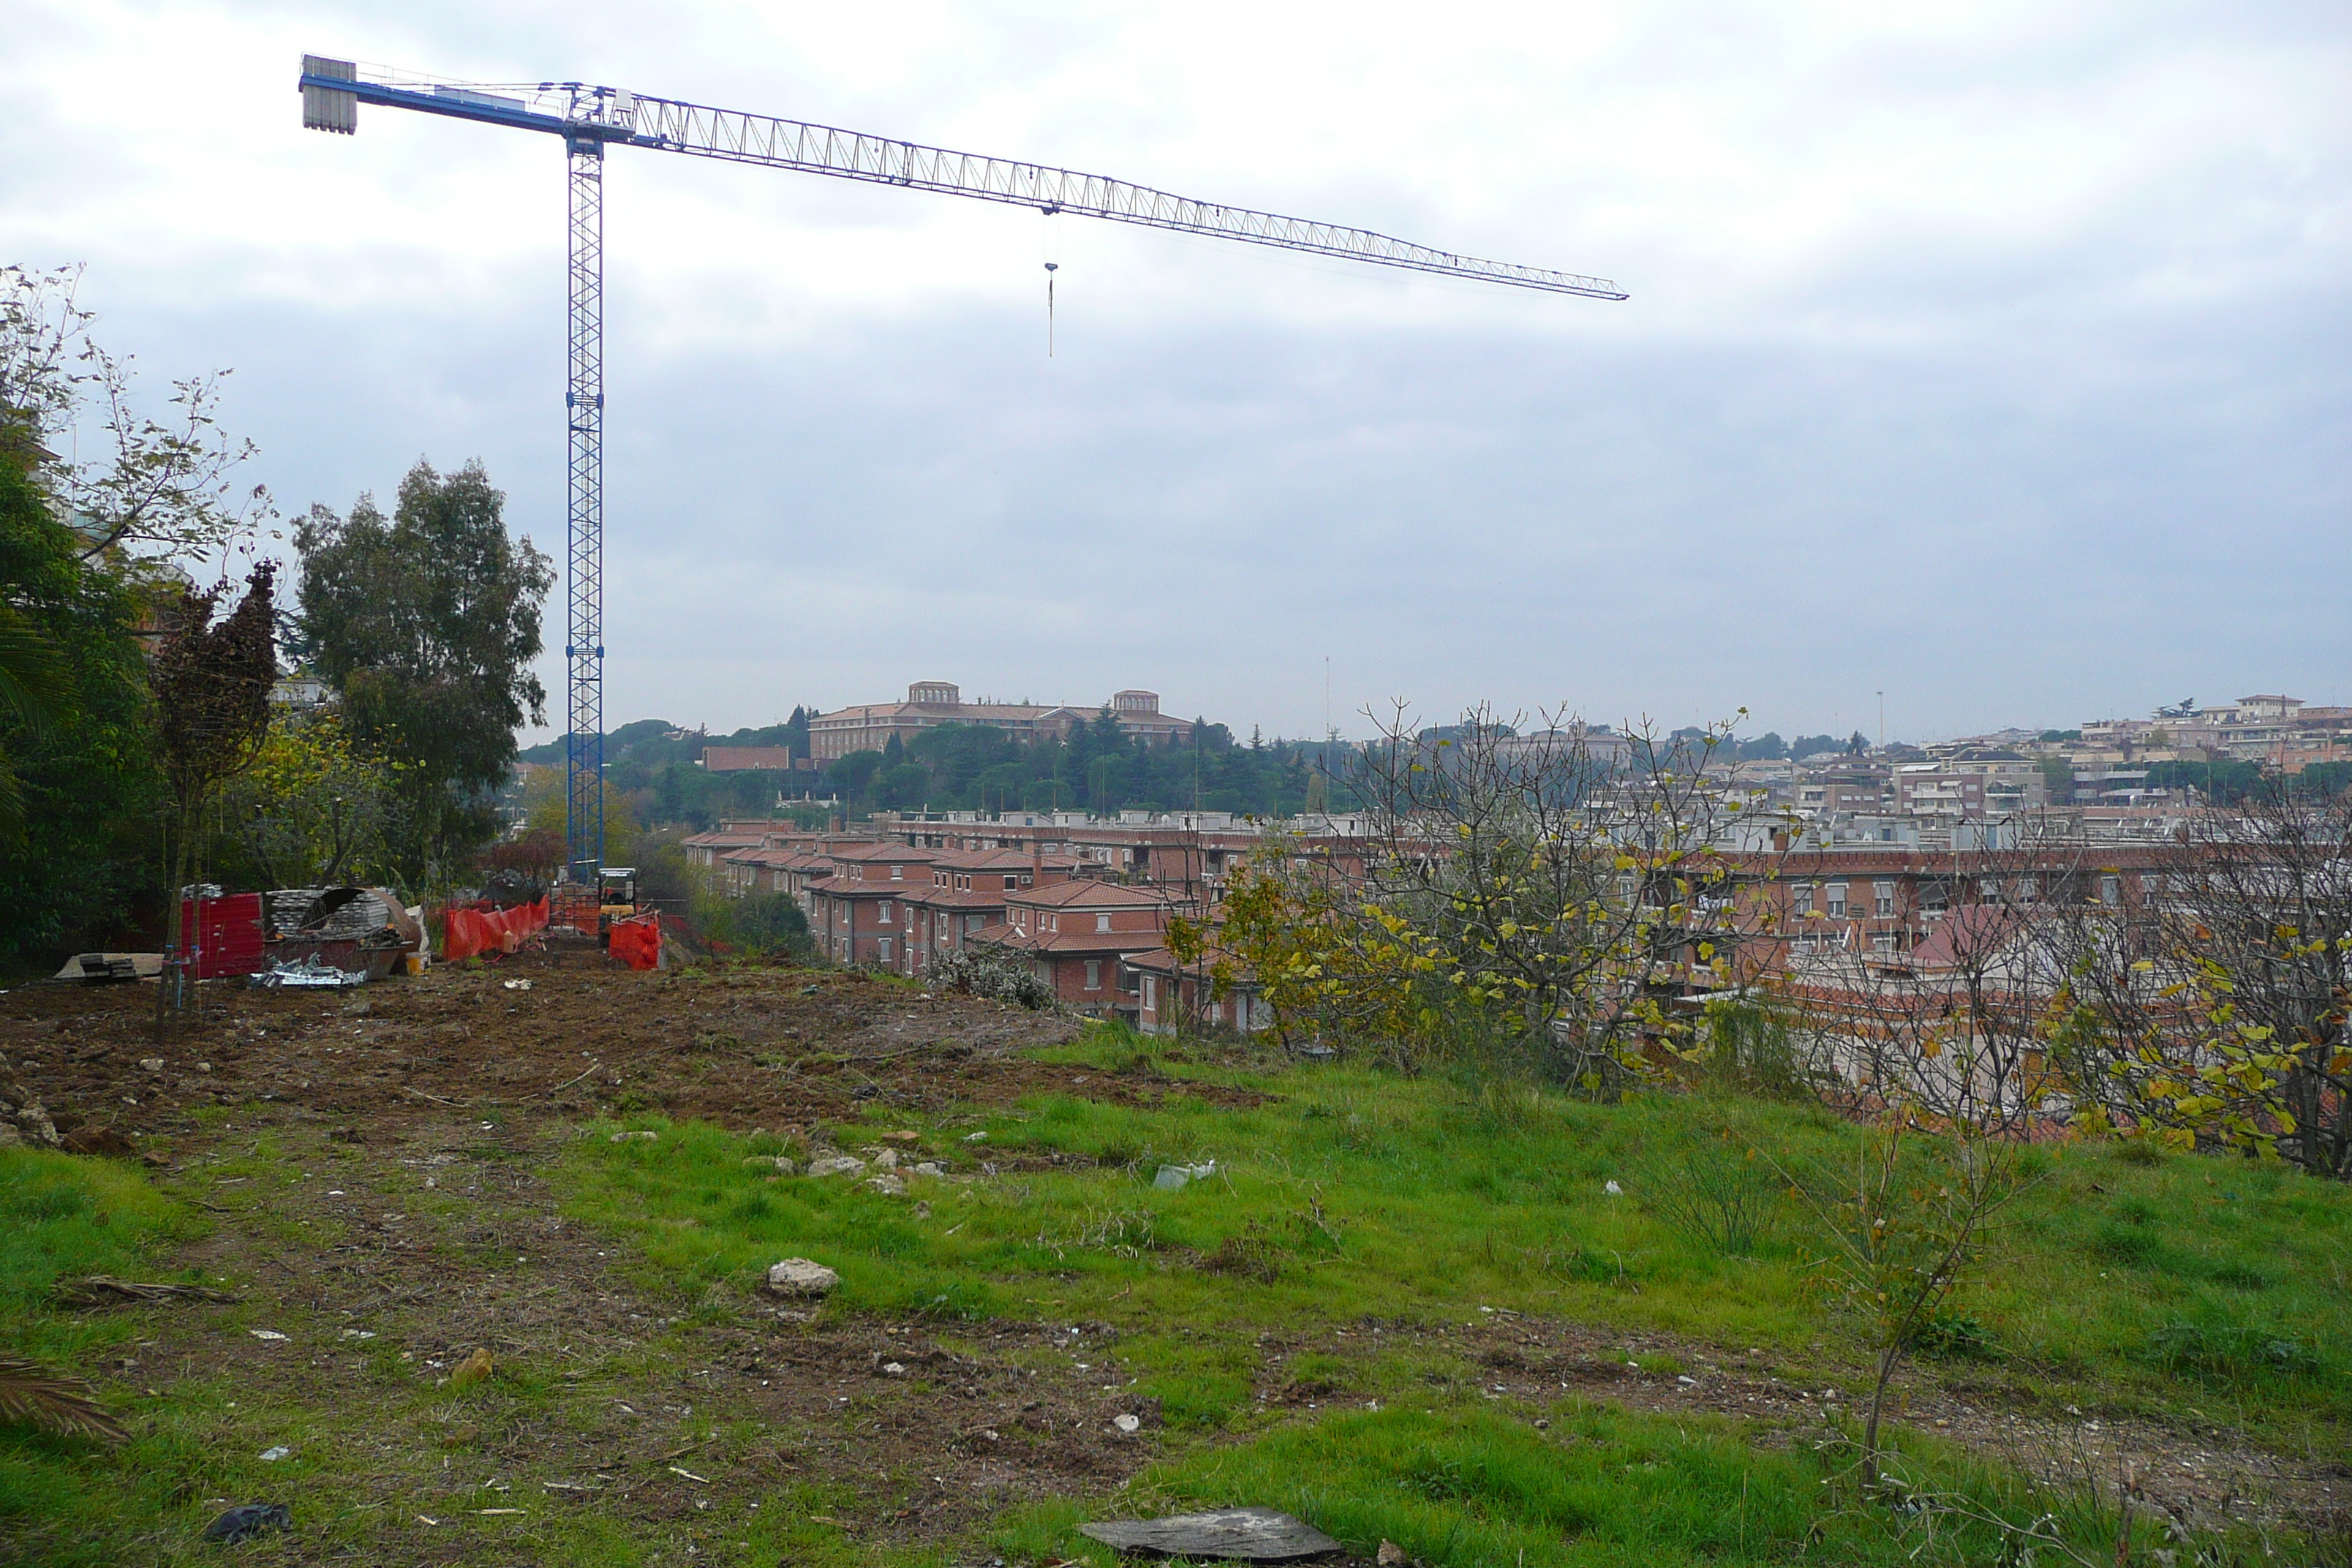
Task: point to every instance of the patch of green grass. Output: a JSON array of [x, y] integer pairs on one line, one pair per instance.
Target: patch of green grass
[[1483, 1488], [62, 1217], [1351, 1193]]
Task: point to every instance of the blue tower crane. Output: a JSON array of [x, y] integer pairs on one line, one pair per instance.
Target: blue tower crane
[[590, 118]]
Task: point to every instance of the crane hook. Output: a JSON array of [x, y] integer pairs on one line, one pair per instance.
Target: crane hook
[[1052, 266]]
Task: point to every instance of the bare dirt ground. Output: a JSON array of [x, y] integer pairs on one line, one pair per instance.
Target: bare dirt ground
[[464, 1081]]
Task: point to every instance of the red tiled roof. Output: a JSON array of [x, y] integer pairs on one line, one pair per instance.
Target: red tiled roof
[[951, 897], [1090, 893], [1111, 942], [1159, 960], [1969, 934], [722, 840], [1000, 860], [735, 759], [885, 853]]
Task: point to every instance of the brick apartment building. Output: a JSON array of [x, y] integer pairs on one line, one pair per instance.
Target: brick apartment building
[[1171, 995], [1891, 900], [1078, 935]]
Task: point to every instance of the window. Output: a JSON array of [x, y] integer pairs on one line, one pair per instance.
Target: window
[[1011, 883], [882, 950], [1094, 974], [898, 873], [1883, 897], [974, 922], [1102, 922], [2111, 889], [1151, 991], [1801, 899], [886, 912], [1837, 900]]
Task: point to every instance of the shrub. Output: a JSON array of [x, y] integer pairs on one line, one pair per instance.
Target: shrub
[[1751, 1045], [1957, 1337], [771, 924], [997, 975], [1718, 1197]]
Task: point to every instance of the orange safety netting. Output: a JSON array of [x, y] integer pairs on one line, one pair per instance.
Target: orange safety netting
[[637, 943], [470, 931]]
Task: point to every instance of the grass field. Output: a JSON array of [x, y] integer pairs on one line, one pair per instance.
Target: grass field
[[2187, 1286], [1388, 1308], [2191, 1291]]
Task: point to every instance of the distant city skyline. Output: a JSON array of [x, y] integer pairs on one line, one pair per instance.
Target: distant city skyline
[[1752, 726]]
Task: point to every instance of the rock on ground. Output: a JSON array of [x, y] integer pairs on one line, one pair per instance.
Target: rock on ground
[[801, 1276]]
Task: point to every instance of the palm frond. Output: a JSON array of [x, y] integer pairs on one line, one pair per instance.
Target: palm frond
[[36, 1396], [35, 687]]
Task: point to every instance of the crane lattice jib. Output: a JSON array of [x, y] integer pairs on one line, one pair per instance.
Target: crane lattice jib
[[590, 118], [616, 117]]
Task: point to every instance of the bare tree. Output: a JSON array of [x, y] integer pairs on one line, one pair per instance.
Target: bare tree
[[1954, 1024], [1902, 1224], [166, 482], [1565, 885]]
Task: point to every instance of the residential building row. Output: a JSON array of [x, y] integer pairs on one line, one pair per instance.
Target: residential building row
[[1087, 907], [1088, 903], [2284, 732]]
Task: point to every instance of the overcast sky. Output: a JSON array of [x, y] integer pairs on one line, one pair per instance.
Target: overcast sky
[[1990, 356]]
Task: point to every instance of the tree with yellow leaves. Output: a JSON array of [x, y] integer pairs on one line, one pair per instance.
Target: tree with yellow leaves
[[315, 808], [2217, 1012], [1555, 890]]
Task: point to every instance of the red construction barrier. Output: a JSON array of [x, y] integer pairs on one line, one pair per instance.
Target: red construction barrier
[[466, 932], [222, 936], [637, 943]]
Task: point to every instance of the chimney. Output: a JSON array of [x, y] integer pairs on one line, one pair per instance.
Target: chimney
[[1036, 861]]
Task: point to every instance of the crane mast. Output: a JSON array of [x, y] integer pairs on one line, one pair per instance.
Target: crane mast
[[591, 118]]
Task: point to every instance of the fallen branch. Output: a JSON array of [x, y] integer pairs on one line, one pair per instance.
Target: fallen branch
[[104, 1290], [568, 1082]]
